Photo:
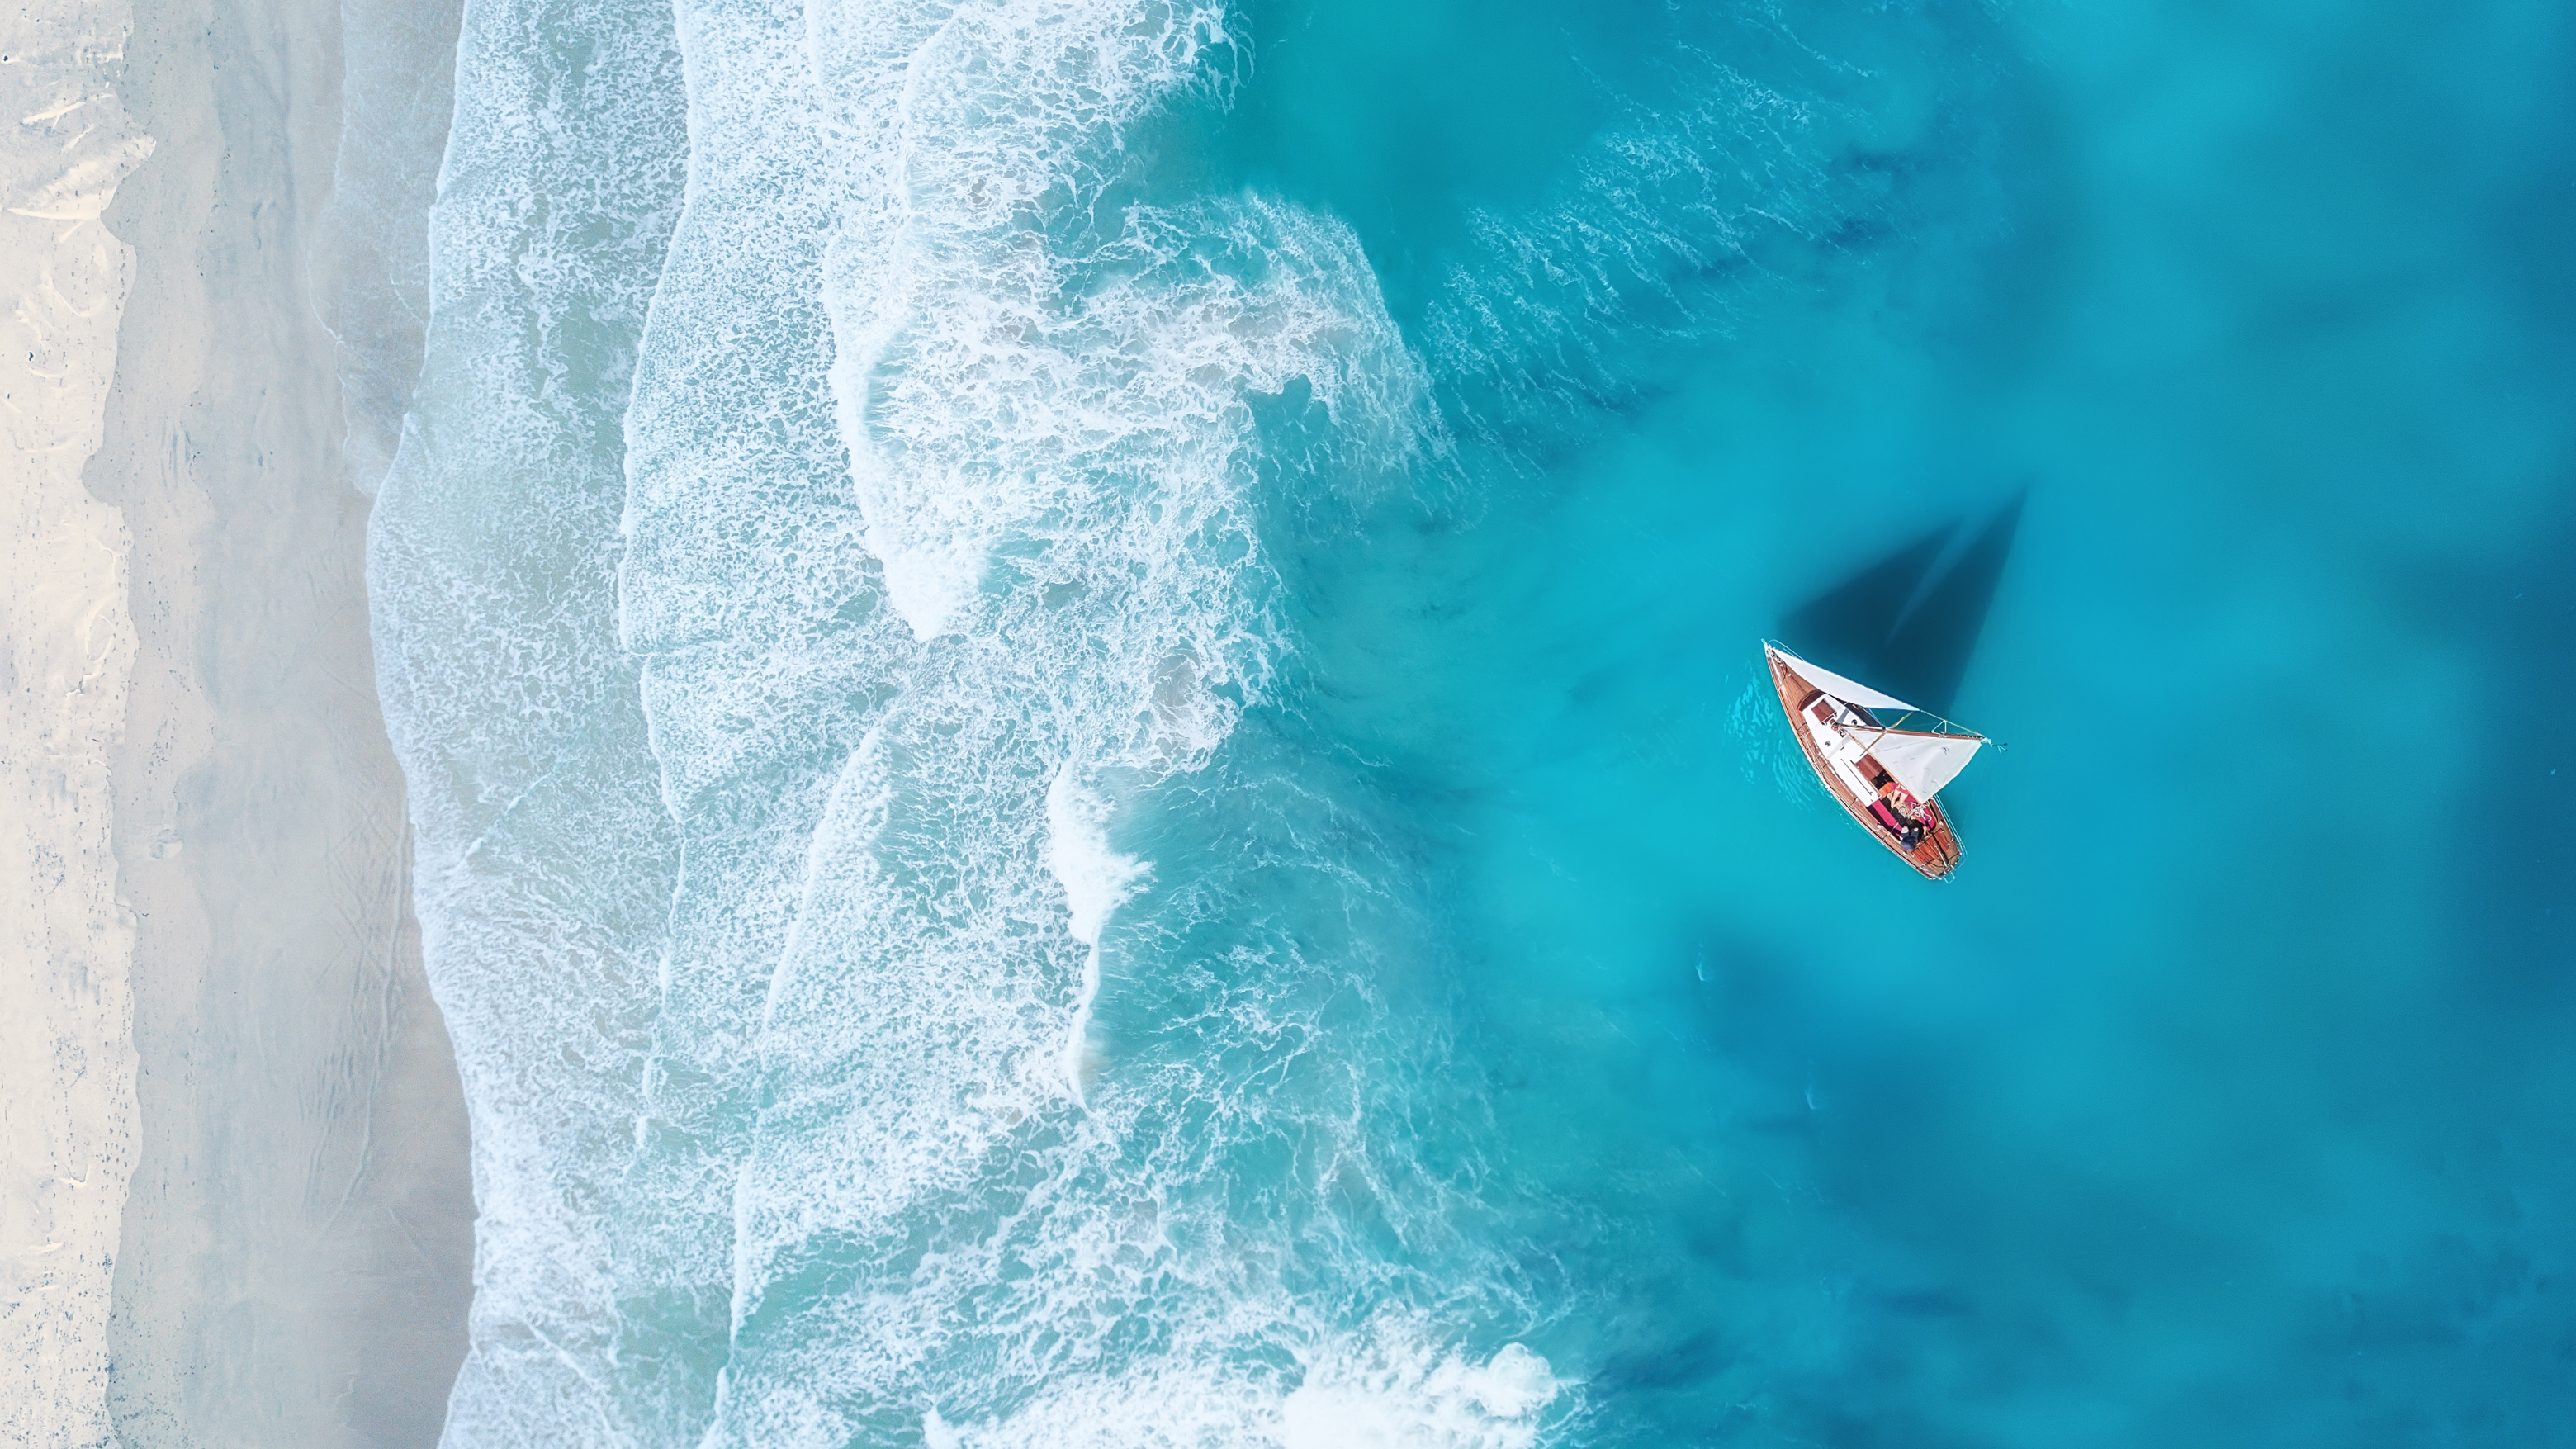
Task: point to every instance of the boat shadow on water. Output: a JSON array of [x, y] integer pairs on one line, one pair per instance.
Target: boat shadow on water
[[1909, 623], [1903, 624]]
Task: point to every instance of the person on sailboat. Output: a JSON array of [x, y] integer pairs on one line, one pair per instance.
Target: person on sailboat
[[1884, 773], [1904, 811]]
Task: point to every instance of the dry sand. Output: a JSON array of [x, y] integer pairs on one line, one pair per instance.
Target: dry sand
[[67, 1119], [293, 1262]]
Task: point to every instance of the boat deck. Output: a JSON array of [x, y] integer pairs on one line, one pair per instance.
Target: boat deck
[[1935, 854]]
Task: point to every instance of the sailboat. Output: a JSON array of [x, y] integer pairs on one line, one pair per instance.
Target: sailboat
[[1885, 774]]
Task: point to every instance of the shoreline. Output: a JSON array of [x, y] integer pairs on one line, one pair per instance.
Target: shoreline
[[294, 1256]]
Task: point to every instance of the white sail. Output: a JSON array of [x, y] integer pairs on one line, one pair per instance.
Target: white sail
[[1849, 691], [1924, 762]]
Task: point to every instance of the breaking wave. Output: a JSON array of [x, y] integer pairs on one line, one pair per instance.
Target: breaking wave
[[907, 987]]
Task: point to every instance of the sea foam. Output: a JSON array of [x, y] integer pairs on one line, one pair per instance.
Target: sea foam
[[789, 901], [544, 854], [1041, 409]]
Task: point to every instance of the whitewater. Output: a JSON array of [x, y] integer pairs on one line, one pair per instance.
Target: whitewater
[[905, 985]]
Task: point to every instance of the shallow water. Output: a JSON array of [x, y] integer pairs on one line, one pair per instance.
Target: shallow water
[[1187, 592]]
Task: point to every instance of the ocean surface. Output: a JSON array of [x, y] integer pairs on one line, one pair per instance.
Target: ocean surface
[[1081, 681]]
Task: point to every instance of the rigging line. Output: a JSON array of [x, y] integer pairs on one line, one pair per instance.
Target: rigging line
[[1964, 734], [1962, 731]]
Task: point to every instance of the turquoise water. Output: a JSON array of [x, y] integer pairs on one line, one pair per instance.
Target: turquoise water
[[1082, 689]]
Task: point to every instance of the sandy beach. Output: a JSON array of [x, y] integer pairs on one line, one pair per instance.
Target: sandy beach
[[215, 986], [67, 1110]]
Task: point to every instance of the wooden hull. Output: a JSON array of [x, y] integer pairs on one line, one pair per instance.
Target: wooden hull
[[1935, 855]]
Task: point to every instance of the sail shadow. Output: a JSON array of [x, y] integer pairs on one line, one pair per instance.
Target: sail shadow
[[1846, 627], [1904, 628]]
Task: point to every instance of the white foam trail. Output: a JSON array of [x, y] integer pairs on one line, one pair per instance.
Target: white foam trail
[[1052, 445], [544, 854], [768, 659], [1096, 879], [66, 655], [912, 633], [1384, 1387], [1405, 1395]]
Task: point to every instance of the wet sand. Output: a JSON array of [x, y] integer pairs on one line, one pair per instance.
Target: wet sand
[[296, 1248]]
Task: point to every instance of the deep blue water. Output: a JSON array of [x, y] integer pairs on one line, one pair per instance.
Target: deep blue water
[[1083, 692]]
